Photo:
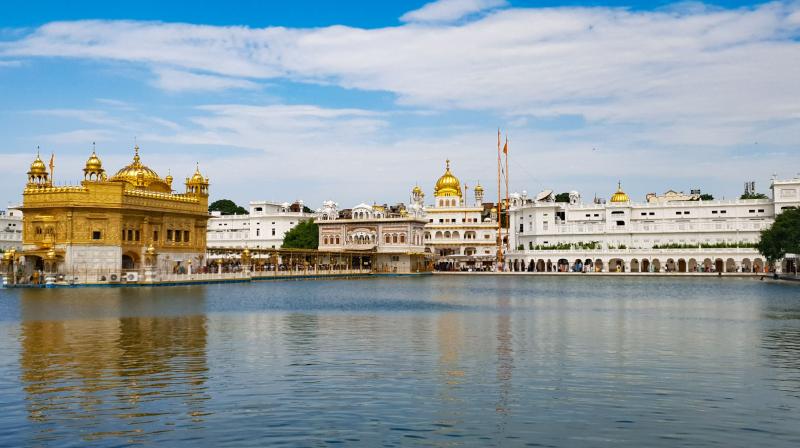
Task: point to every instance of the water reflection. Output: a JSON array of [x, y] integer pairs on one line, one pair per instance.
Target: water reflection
[[126, 378]]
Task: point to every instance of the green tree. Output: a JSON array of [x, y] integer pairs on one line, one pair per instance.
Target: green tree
[[562, 197], [782, 237], [227, 207], [307, 209], [304, 235], [753, 196], [706, 197]]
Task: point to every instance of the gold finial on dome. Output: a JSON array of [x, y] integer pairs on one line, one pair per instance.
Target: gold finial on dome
[[448, 184], [620, 196]]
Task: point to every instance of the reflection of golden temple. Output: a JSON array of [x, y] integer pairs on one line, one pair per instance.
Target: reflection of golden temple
[[105, 226], [111, 373]]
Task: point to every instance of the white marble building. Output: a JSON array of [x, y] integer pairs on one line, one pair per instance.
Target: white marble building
[[10, 229], [392, 243], [458, 233], [658, 236], [263, 228]]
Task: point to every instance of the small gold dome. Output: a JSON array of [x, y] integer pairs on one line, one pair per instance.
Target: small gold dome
[[38, 167], [197, 178], [447, 185], [94, 163], [138, 175], [478, 188], [620, 196], [416, 190]]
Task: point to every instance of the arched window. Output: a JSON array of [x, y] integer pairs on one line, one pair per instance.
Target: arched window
[[337, 240], [402, 237], [447, 234], [394, 238], [387, 238]]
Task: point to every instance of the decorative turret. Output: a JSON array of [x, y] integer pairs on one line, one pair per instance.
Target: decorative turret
[[197, 184], [478, 194], [38, 176], [169, 180], [93, 171]]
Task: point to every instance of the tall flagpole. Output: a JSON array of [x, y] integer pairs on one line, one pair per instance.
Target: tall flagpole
[[499, 212], [508, 203]]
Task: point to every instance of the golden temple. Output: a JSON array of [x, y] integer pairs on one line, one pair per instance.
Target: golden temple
[[106, 227]]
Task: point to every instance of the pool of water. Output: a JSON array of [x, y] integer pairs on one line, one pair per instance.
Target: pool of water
[[434, 361]]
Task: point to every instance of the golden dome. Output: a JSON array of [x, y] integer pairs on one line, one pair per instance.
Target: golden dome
[[94, 163], [416, 190], [197, 178], [620, 196], [38, 167], [447, 185], [478, 188], [138, 175]]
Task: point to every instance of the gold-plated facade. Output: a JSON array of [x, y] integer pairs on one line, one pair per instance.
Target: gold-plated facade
[[111, 225]]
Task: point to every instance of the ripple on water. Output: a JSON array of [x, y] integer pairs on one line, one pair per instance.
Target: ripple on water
[[442, 361]]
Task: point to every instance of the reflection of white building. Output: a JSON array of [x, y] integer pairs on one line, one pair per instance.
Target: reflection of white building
[[674, 236], [392, 242], [10, 229], [458, 233], [263, 228]]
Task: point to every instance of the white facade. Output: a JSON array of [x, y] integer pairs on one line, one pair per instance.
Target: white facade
[[10, 229], [264, 227], [674, 236], [396, 242], [457, 233]]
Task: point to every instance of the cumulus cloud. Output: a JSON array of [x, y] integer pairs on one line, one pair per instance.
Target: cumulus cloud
[[605, 64], [674, 90], [450, 10]]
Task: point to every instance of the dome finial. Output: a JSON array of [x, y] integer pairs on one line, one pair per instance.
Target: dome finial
[[448, 164]]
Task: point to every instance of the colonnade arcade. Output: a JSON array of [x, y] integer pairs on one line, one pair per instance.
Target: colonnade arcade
[[265, 260], [670, 263]]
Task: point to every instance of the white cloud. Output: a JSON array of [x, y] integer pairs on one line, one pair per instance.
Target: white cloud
[[608, 65], [10, 63], [685, 91], [183, 81], [450, 10]]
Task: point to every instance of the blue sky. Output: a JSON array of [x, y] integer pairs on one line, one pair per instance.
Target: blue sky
[[358, 101]]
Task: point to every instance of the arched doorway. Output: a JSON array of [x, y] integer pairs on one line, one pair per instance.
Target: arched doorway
[[656, 265], [758, 265], [598, 265], [692, 265], [128, 261], [747, 265], [707, 265], [681, 265], [670, 266], [719, 265], [730, 265], [634, 265], [645, 265], [540, 266]]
